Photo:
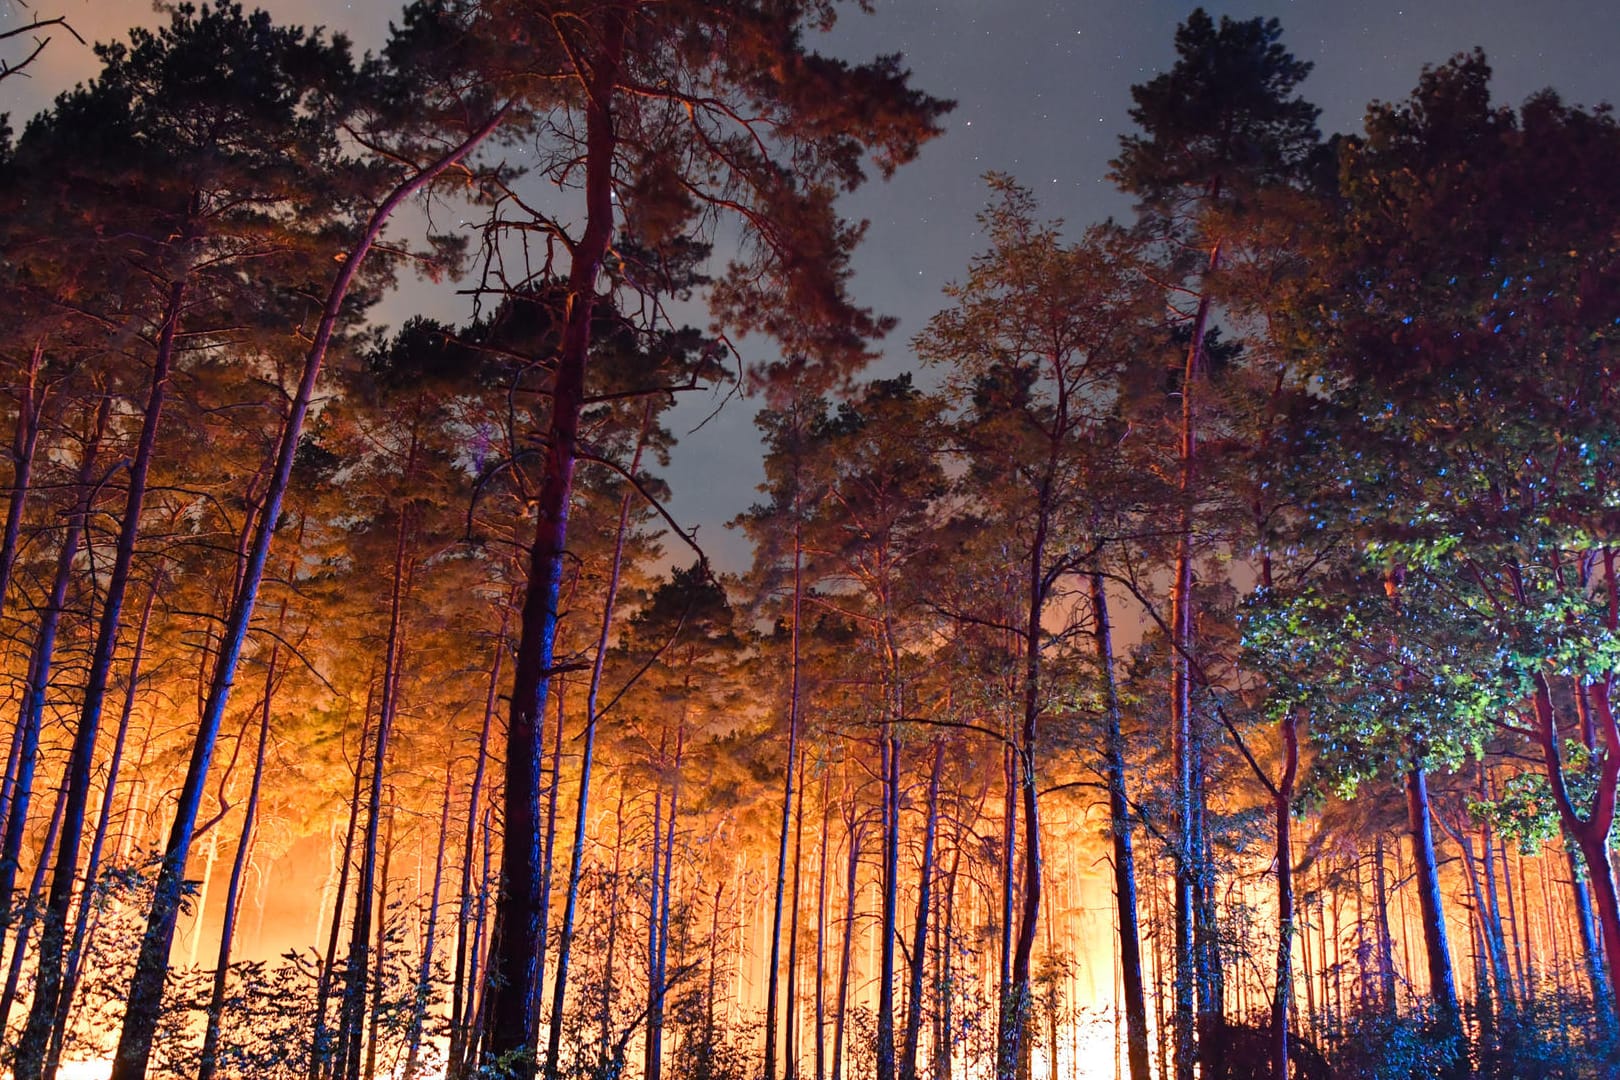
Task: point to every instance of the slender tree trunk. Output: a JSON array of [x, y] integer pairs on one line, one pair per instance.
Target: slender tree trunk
[[660, 974], [48, 974], [1283, 810], [1016, 1006], [357, 979], [890, 762], [608, 987], [424, 971], [773, 972], [30, 912], [1386, 941], [790, 1063], [1124, 849], [25, 442], [1442, 984], [1181, 717], [851, 888], [379, 982], [919, 940], [947, 978], [320, 1053], [549, 843], [145, 998], [821, 927], [31, 713], [92, 871], [460, 1011], [480, 955], [209, 1062]]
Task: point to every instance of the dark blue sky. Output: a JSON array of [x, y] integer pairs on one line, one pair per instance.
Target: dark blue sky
[[1042, 90]]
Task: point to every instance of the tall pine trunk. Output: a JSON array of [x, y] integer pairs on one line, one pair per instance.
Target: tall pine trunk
[[424, 970], [209, 1062], [81, 760], [517, 998], [515, 963], [851, 888], [460, 982], [356, 980], [79, 944], [145, 999], [321, 1053], [32, 710], [30, 912], [773, 971], [1124, 848], [919, 939]]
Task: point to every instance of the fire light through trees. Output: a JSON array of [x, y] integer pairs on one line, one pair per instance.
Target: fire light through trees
[[1188, 653]]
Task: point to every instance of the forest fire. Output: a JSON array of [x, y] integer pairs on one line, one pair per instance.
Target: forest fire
[[1188, 655]]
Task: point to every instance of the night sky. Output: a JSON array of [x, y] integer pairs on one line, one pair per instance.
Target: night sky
[[1042, 91]]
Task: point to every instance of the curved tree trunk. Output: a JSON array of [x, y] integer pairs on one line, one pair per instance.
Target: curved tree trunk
[[30, 1059], [146, 988], [208, 1064]]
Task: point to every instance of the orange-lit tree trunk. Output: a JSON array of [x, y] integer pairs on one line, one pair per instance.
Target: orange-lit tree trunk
[[208, 1064], [379, 983], [351, 1028], [31, 712], [919, 939], [81, 760], [658, 981], [145, 999], [424, 970], [463, 980], [321, 1053], [790, 1056], [514, 977], [821, 927], [773, 970], [1124, 849], [851, 887], [79, 944]]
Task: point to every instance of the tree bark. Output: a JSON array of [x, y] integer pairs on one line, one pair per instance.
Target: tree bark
[[25, 926], [460, 984], [851, 888], [1124, 848], [1442, 984], [773, 972], [514, 980], [209, 1062], [79, 944], [424, 971], [320, 1053], [357, 977], [145, 999], [30, 1059], [31, 713], [919, 939]]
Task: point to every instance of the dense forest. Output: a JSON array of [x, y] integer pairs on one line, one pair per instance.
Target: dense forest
[[1197, 663]]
